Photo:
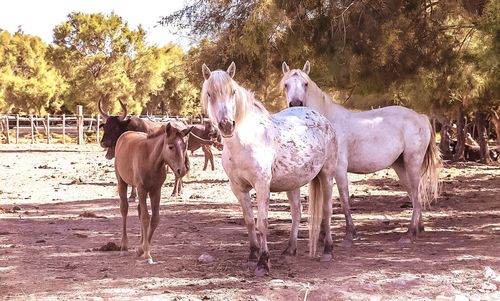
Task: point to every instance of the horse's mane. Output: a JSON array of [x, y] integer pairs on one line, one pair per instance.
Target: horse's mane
[[220, 83]]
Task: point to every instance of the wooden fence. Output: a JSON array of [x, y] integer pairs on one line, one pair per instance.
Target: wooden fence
[[67, 125]]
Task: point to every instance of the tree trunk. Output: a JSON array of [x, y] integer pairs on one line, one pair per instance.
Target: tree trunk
[[459, 150], [483, 137], [496, 121], [444, 144]]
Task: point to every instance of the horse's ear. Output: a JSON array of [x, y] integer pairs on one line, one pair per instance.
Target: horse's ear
[[307, 68], [285, 68], [168, 129], [231, 70], [206, 72]]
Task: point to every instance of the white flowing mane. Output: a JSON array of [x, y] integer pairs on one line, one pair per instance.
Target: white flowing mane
[[220, 83]]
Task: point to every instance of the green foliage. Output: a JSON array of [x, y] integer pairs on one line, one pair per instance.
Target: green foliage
[[28, 83]]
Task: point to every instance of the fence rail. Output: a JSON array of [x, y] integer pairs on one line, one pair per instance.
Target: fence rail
[[73, 126]]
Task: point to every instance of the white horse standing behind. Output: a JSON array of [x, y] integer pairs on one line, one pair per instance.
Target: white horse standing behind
[[279, 152], [373, 140]]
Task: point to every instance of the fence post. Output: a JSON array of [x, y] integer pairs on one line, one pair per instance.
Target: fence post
[[17, 128], [64, 128], [32, 130], [79, 123], [7, 129], [48, 129], [98, 130]]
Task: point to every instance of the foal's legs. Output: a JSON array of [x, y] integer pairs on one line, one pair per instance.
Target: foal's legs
[[145, 221], [122, 192], [296, 210], [246, 205], [154, 196]]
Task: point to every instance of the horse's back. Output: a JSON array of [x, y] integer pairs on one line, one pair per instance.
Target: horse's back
[[375, 139], [303, 144]]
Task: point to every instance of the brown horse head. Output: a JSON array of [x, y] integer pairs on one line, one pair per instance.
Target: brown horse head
[[113, 127], [175, 147]]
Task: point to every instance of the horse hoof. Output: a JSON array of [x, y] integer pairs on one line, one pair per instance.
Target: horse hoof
[[139, 252], [261, 272], [252, 264], [405, 240], [151, 261], [326, 258], [131, 200]]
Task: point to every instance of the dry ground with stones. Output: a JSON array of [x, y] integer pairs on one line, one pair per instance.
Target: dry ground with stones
[[59, 206]]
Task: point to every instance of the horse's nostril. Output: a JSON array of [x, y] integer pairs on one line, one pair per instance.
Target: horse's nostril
[[178, 171]]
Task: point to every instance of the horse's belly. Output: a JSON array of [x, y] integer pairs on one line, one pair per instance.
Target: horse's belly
[[286, 181]]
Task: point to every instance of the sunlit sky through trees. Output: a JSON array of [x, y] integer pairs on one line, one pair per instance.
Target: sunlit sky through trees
[[40, 17]]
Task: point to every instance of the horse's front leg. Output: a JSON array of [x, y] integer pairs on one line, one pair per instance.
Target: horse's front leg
[[343, 187], [296, 210], [122, 192], [154, 196], [144, 220], [246, 206], [262, 191]]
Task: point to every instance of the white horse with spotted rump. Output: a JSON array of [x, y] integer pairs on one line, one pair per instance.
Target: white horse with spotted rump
[[279, 152], [369, 141]]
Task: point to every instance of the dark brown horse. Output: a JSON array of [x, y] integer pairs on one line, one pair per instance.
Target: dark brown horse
[[140, 161], [114, 126]]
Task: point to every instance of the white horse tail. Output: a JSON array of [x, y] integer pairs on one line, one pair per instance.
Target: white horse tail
[[429, 180], [315, 214]]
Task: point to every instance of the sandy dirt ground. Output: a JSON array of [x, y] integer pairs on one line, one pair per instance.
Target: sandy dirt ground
[[59, 205]]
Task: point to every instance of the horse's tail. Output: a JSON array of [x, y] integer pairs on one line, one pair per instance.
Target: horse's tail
[[315, 214], [429, 180]]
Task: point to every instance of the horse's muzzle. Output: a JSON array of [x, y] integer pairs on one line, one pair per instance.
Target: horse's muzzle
[[295, 103], [226, 127]]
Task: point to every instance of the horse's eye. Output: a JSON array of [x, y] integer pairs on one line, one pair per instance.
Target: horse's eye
[[170, 147], [286, 86], [306, 84]]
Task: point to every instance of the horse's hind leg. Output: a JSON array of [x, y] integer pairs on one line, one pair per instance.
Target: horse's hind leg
[[122, 192], [246, 206], [296, 210], [133, 194], [412, 184], [326, 187], [343, 187]]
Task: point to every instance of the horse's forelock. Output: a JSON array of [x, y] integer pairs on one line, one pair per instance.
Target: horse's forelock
[[294, 72]]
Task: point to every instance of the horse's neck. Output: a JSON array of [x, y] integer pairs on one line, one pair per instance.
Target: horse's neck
[[250, 127], [324, 104], [155, 147]]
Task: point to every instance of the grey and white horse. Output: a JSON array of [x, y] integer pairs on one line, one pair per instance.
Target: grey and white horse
[[279, 152], [369, 141]]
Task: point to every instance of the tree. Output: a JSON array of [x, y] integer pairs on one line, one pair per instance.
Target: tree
[[103, 59], [28, 83]]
